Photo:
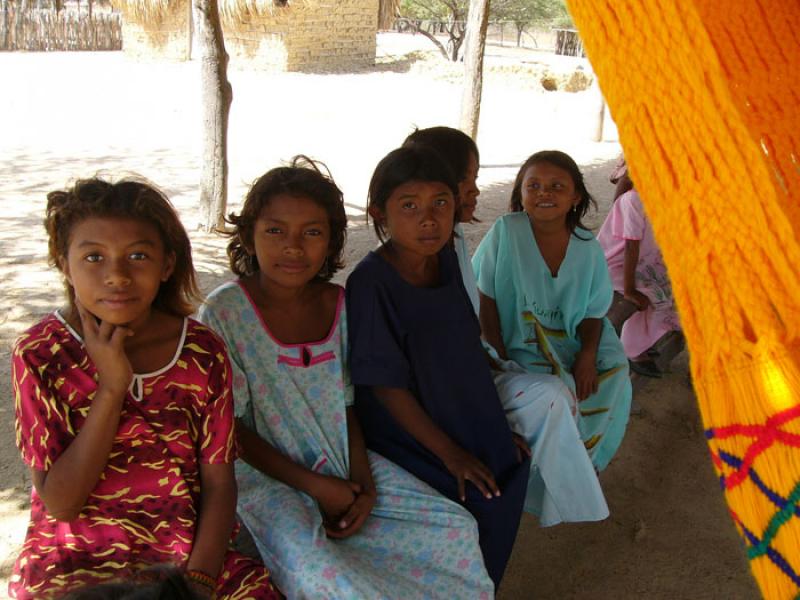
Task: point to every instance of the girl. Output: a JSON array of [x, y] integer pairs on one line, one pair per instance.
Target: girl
[[544, 290], [123, 407], [423, 388], [331, 519], [650, 329], [563, 485]]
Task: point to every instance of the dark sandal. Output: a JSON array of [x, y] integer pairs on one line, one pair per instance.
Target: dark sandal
[[646, 368]]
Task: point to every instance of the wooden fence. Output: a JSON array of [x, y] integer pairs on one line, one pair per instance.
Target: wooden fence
[[569, 43], [47, 30], [504, 33]]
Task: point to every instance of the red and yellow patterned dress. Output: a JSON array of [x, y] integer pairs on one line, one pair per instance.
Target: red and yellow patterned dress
[[143, 510]]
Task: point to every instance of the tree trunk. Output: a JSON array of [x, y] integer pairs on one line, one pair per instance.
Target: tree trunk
[[217, 96], [93, 25], [600, 106], [432, 38], [21, 11], [4, 25], [477, 26]]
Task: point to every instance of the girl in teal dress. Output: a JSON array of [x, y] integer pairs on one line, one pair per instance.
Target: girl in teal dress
[[544, 292]]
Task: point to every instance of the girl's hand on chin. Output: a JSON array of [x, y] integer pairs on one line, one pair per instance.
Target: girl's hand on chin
[[105, 344]]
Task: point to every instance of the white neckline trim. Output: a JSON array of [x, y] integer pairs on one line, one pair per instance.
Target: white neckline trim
[[136, 388]]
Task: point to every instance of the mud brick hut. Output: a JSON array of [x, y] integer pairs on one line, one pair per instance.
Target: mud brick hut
[[278, 35]]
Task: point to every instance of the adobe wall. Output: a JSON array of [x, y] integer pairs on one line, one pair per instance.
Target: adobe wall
[[336, 35], [167, 37]]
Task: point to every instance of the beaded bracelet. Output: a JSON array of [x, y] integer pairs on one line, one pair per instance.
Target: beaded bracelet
[[203, 579]]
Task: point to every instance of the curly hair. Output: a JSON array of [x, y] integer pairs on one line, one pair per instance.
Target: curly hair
[[562, 161], [130, 198], [303, 177]]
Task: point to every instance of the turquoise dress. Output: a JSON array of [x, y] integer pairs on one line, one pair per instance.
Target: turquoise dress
[[415, 544], [539, 317], [563, 485]]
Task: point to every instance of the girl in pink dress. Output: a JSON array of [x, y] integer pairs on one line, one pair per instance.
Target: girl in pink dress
[[123, 408], [639, 276]]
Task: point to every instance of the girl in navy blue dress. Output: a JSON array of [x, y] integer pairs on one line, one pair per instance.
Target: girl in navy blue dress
[[424, 391]]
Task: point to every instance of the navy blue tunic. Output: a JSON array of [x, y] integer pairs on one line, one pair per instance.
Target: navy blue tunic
[[427, 340]]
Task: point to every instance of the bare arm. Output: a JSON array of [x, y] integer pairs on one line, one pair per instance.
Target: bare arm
[[402, 405], [584, 368], [215, 518], [490, 325], [360, 471], [333, 495], [631, 259], [262, 455], [66, 485], [360, 474]]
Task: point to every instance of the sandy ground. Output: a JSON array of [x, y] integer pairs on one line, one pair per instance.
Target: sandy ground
[[71, 115]]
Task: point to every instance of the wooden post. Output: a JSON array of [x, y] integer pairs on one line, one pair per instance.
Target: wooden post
[[477, 25], [4, 36], [600, 103], [216, 96], [190, 43], [92, 25]]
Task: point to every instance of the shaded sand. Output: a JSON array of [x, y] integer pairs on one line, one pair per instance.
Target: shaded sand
[[71, 115]]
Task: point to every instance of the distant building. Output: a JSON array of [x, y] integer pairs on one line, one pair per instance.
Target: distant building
[[279, 35]]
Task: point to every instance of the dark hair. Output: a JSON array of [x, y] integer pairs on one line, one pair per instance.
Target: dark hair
[[302, 178], [454, 146], [400, 166], [152, 583], [565, 162], [130, 198]]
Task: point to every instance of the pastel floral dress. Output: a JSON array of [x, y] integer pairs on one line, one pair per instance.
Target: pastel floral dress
[[415, 544], [143, 510]]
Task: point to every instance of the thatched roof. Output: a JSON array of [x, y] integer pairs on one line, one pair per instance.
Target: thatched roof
[[147, 12], [153, 11], [233, 10]]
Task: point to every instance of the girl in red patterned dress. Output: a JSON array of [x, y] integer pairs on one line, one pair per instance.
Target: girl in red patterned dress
[[123, 408]]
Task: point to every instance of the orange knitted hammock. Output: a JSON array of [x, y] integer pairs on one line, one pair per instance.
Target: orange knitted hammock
[[706, 96]]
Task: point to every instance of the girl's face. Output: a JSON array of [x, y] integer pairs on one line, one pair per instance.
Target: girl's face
[[548, 193], [468, 190], [291, 238], [418, 216], [116, 266]]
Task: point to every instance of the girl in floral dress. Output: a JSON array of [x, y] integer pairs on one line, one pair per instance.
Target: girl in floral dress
[[330, 519], [123, 408]]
